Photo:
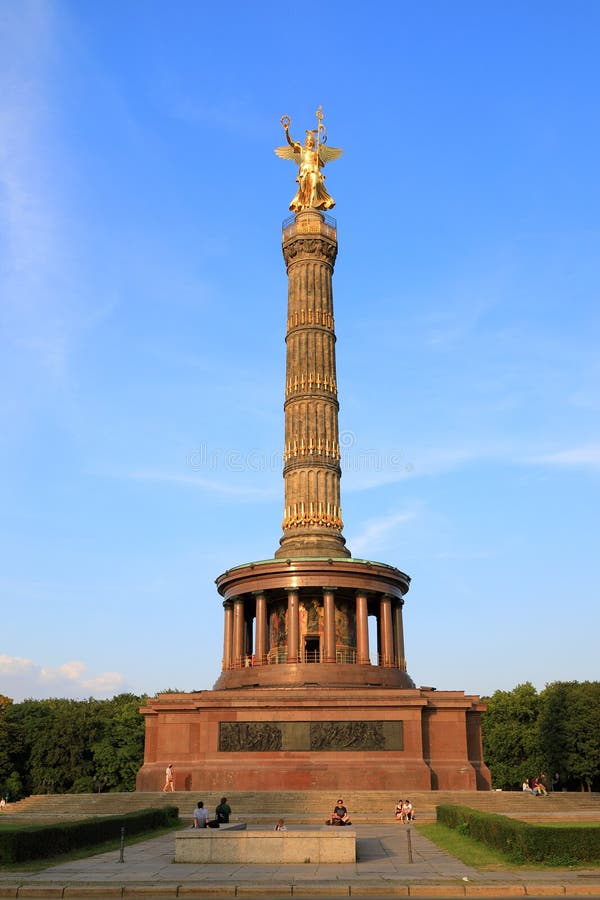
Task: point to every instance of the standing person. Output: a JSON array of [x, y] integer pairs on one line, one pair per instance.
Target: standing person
[[169, 778], [201, 816], [223, 811]]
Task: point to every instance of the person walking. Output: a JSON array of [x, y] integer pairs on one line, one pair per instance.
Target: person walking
[[169, 778]]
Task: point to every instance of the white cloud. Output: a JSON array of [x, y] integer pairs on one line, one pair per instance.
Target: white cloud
[[72, 671], [586, 456], [376, 532], [105, 685], [418, 462], [42, 282], [430, 462], [22, 678], [14, 665], [233, 490]]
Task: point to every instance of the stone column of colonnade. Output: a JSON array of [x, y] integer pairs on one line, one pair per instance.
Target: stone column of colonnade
[[238, 650], [312, 521]]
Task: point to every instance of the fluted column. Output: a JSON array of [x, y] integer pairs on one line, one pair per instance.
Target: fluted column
[[362, 629], [260, 650], [227, 634], [292, 626], [399, 635], [385, 624], [329, 624], [238, 631], [312, 520]]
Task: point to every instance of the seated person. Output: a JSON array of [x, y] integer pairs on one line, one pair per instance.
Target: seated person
[[280, 826], [408, 810], [201, 816], [539, 787], [339, 816], [223, 811], [526, 789], [399, 811]]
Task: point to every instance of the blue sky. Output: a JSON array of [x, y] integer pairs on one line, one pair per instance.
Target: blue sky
[[142, 318]]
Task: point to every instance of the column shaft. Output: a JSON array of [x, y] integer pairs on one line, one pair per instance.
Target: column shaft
[[329, 616], [227, 635], [399, 635], [385, 624], [362, 629], [292, 627], [260, 650], [238, 631], [312, 520]]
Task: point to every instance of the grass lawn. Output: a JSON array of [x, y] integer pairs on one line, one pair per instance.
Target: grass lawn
[[32, 866], [478, 856]]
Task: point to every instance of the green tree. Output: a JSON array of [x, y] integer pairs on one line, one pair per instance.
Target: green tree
[[59, 746], [6, 747], [118, 751], [570, 731], [21, 723], [511, 745], [60, 754]]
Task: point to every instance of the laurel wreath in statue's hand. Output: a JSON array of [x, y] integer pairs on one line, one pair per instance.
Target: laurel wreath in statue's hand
[[286, 122]]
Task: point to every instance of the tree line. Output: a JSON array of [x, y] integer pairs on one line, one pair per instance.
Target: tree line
[[70, 746], [555, 732], [82, 746]]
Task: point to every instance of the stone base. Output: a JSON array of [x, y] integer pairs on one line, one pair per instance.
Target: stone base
[[331, 845], [315, 738]]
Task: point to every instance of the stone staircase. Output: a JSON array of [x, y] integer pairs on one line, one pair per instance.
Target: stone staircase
[[310, 807]]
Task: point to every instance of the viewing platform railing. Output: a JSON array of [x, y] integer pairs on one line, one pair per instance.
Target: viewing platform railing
[[327, 226], [279, 656]]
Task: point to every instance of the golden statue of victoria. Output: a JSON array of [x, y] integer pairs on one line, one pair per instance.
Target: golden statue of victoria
[[311, 193]]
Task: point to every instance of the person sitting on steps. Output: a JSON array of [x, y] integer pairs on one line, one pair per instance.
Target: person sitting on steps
[[539, 787], [223, 811], [200, 816], [339, 816]]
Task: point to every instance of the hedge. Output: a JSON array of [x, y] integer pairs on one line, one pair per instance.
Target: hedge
[[28, 842], [522, 842]]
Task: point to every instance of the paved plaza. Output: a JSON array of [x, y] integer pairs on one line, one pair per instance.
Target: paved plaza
[[393, 861]]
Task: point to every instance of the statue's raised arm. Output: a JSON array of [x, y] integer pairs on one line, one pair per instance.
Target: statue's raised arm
[[310, 158]]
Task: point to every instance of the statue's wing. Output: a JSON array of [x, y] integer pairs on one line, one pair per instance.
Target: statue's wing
[[328, 154], [286, 153]]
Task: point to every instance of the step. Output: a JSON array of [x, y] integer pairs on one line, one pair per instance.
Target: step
[[311, 805]]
